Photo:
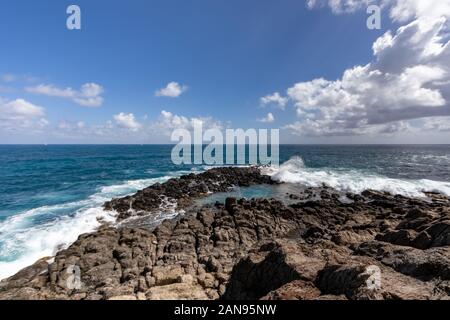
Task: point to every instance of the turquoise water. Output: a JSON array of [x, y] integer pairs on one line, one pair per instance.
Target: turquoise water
[[258, 191], [51, 194]]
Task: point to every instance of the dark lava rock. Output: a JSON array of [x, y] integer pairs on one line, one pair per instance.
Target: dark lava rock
[[183, 190], [314, 249]]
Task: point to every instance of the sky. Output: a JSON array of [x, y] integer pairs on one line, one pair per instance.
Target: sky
[[139, 69]]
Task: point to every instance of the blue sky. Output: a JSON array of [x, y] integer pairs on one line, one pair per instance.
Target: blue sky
[[225, 55]]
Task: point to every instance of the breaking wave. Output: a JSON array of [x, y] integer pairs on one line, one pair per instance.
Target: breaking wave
[[41, 232], [295, 171]]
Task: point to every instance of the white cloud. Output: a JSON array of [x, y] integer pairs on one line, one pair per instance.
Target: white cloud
[[81, 125], [22, 108], [409, 78], [51, 90], [311, 128], [172, 90], [127, 121], [89, 95], [22, 117], [399, 10], [339, 6], [437, 124], [276, 99], [173, 121], [21, 114], [269, 118], [167, 122], [404, 10], [126, 128], [83, 132]]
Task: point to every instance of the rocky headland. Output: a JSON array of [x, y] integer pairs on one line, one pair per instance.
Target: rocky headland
[[321, 244]]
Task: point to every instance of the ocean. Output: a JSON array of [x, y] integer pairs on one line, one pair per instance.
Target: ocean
[[49, 195]]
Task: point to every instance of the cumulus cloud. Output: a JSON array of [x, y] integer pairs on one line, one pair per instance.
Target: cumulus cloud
[[409, 78], [71, 126], [172, 90], [127, 121], [437, 124], [125, 126], [168, 121], [339, 6], [89, 95], [275, 99], [81, 131], [21, 114], [269, 118], [24, 117], [399, 10], [404, 10]]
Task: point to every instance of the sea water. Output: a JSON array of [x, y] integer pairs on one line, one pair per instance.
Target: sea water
[[49, 195]]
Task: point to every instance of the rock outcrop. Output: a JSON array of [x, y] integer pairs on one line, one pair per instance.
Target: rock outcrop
[[182, 191], [323, 245]]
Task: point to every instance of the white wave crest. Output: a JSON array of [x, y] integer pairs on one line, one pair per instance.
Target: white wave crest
[[23, 241], [295, 171], [130, 186]]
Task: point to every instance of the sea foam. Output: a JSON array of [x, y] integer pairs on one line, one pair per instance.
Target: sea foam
[[295, 171], [23, 241]]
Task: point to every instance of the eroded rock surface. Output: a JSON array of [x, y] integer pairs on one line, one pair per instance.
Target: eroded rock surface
[[184, 189], [370, 246]]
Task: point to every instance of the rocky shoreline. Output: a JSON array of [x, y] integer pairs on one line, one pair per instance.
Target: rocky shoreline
[[322, 245]]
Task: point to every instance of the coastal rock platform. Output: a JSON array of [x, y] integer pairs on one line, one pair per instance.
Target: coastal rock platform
[[322, 245]]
